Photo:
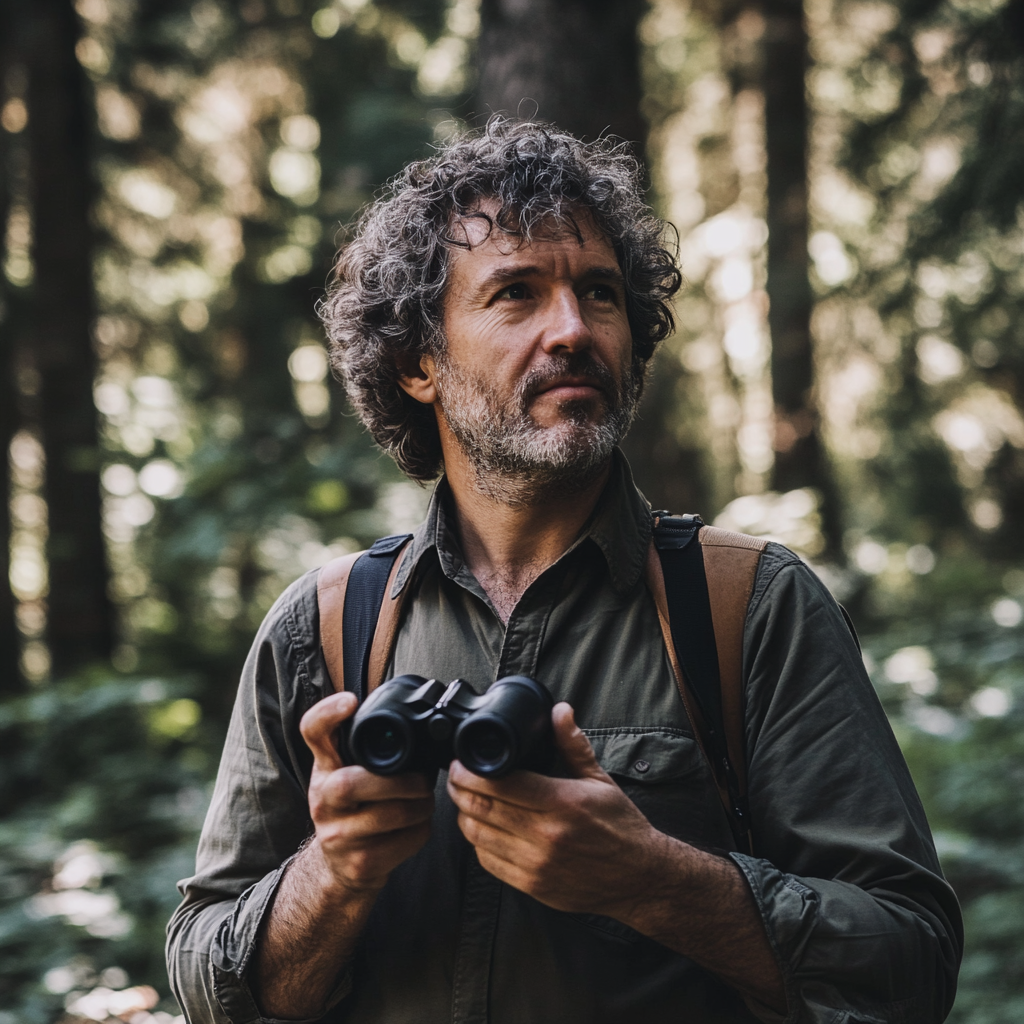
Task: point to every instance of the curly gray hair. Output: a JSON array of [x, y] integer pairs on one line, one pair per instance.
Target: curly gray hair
[[384, 307]]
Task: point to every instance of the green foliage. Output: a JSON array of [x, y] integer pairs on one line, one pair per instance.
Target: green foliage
[[103, 787], [256, 136], [952, 680], [918, 328], [918, 266], [234, 141]]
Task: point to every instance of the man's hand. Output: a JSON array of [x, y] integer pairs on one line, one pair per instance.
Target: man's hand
[[575, 844], [581, 845], [366, 826]]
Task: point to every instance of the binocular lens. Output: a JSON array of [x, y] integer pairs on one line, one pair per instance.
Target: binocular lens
[[412, 724], [485, 747], [384, 742]]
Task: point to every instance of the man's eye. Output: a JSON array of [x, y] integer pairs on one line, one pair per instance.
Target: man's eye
[[601, 292], [513, 291]]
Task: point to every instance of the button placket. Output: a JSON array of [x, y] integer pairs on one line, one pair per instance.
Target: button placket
[[520, 651]]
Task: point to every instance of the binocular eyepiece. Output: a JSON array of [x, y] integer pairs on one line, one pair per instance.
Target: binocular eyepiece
[[413, 724]]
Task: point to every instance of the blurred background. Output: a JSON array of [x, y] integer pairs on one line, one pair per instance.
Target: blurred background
[[847, 178]]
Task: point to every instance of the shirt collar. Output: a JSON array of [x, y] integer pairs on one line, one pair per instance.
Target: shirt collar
[[620, 527]]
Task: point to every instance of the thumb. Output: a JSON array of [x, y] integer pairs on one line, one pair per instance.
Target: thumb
[[319, 727], [574, 746]]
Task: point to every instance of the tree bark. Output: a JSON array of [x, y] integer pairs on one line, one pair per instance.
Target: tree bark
[[10, 641], [577, 63], [800, 457], [784, 66], [80, 626], [574, 62]]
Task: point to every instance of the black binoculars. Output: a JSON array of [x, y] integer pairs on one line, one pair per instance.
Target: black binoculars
[[411, 724]]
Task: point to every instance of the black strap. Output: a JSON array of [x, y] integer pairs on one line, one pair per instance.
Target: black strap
[[693, 635], [689, 613], [363, 597]]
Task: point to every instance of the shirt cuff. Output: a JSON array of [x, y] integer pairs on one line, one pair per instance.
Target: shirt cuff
[[792, 913], [233, 947], [788, 909]]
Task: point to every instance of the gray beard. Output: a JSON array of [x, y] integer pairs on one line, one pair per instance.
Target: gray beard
[[515, 461]]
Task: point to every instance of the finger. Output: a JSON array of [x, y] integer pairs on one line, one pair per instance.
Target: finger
[[522, 788], [404, 842], [319, 726], [367, 863], [496, 813], [502, 871], [498, 842], [506, 871], [510, 858], [379, 819], [352, 786], [576, 750]]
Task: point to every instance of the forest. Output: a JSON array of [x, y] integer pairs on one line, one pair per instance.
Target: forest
[[847, 376]]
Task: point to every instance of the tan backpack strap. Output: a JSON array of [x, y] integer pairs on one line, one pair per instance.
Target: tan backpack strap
[[331, 587], [331, 584], [386, 632], [730, 565], [656, 585]]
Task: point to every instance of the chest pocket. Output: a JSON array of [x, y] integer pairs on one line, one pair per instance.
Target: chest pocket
[[663, 771], [645, 754]]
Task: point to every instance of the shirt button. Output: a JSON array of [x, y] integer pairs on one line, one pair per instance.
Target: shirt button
[[642, 767]]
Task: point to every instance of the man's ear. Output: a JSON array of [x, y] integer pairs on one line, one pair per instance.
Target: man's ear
[[417, 378]]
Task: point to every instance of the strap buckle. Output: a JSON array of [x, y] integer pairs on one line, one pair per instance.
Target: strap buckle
[[673, 533]]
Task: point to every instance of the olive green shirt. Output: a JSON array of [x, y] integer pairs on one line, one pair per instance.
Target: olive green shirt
[[844, 874]]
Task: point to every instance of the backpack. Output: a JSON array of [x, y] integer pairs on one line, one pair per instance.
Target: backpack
[[701, 579]]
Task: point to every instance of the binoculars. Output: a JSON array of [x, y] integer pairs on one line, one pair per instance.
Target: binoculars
[[412, 724]]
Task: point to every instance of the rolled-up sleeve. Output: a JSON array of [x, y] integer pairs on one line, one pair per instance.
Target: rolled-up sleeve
[[258, 816], [844, 870]]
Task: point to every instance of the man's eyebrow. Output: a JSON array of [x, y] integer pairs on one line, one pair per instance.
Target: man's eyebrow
[[607, 273], [508, 275], [505, 275]]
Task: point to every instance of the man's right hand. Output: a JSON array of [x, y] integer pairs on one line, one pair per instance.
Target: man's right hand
[[366, 824]]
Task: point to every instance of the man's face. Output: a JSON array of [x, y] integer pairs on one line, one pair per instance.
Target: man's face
[[537, 381]]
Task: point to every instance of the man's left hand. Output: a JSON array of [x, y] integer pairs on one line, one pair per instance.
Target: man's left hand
[[577, 844]]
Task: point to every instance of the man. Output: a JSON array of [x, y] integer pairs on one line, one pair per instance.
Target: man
[[494, 315]]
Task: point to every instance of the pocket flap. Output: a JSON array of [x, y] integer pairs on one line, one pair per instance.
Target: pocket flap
[[643, 754]]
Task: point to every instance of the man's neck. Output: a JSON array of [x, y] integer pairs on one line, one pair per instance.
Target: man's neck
[[507, 546]]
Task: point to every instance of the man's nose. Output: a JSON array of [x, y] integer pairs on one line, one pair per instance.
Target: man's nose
[[565, 329]]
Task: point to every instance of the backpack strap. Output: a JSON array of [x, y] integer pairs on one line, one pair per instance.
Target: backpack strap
[[331, 587], [730, 565], [701, 579], [656, 585], [358, 615]]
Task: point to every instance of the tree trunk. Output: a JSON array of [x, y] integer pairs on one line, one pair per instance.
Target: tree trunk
[[574, 62], [10, 642], [80, 614], [785, 62], [800, 457]]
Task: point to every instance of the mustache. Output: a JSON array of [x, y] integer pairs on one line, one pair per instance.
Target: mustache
[[578, 364]]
